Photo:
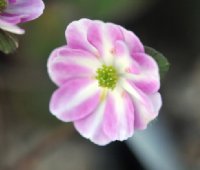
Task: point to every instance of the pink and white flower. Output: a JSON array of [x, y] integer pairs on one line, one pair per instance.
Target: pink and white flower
[[13, 12], [108, 85]]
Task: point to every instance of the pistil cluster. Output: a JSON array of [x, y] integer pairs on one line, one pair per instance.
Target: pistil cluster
[[107, 76]]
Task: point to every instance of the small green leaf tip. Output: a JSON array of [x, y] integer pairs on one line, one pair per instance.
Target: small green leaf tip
[[3, 5], [8, 43], [161, 60]]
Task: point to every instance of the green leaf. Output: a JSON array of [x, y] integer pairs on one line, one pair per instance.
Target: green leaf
[[8, 43], [160, 59]]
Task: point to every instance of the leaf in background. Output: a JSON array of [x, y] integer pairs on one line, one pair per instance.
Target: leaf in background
[[161, 60], [8, 43]]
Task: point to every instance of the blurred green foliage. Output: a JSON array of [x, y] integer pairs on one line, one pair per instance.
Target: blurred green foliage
[[8, 42]]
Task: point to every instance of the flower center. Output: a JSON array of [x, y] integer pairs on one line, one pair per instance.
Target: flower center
[[107, 76], [3, 5]]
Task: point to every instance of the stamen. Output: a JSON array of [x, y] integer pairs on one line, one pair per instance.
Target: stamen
[[107, 76]]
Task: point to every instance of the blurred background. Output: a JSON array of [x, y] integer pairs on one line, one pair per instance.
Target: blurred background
[[32, 139]]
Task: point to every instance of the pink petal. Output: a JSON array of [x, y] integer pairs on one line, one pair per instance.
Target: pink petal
[[114, 33], [118, 122], [95, 35], [90, 127], [156, 101], [146, 106], [148, 79], [19, 11], [103, 36], [146, 62], [112, 120], [65, 63], [132, 41], [10, 27], [123, 61], [76, 35], [75, 99]]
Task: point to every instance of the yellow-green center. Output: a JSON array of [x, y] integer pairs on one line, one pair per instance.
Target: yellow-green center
[[3, 5], [107, 76]]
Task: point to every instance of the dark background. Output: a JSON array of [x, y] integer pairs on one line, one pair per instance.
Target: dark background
[[32, 139]]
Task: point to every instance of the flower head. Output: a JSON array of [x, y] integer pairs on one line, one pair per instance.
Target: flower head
[[13, 12], [108, 85]]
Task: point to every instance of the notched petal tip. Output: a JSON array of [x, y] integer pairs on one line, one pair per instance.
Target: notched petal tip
[[132, 41]]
